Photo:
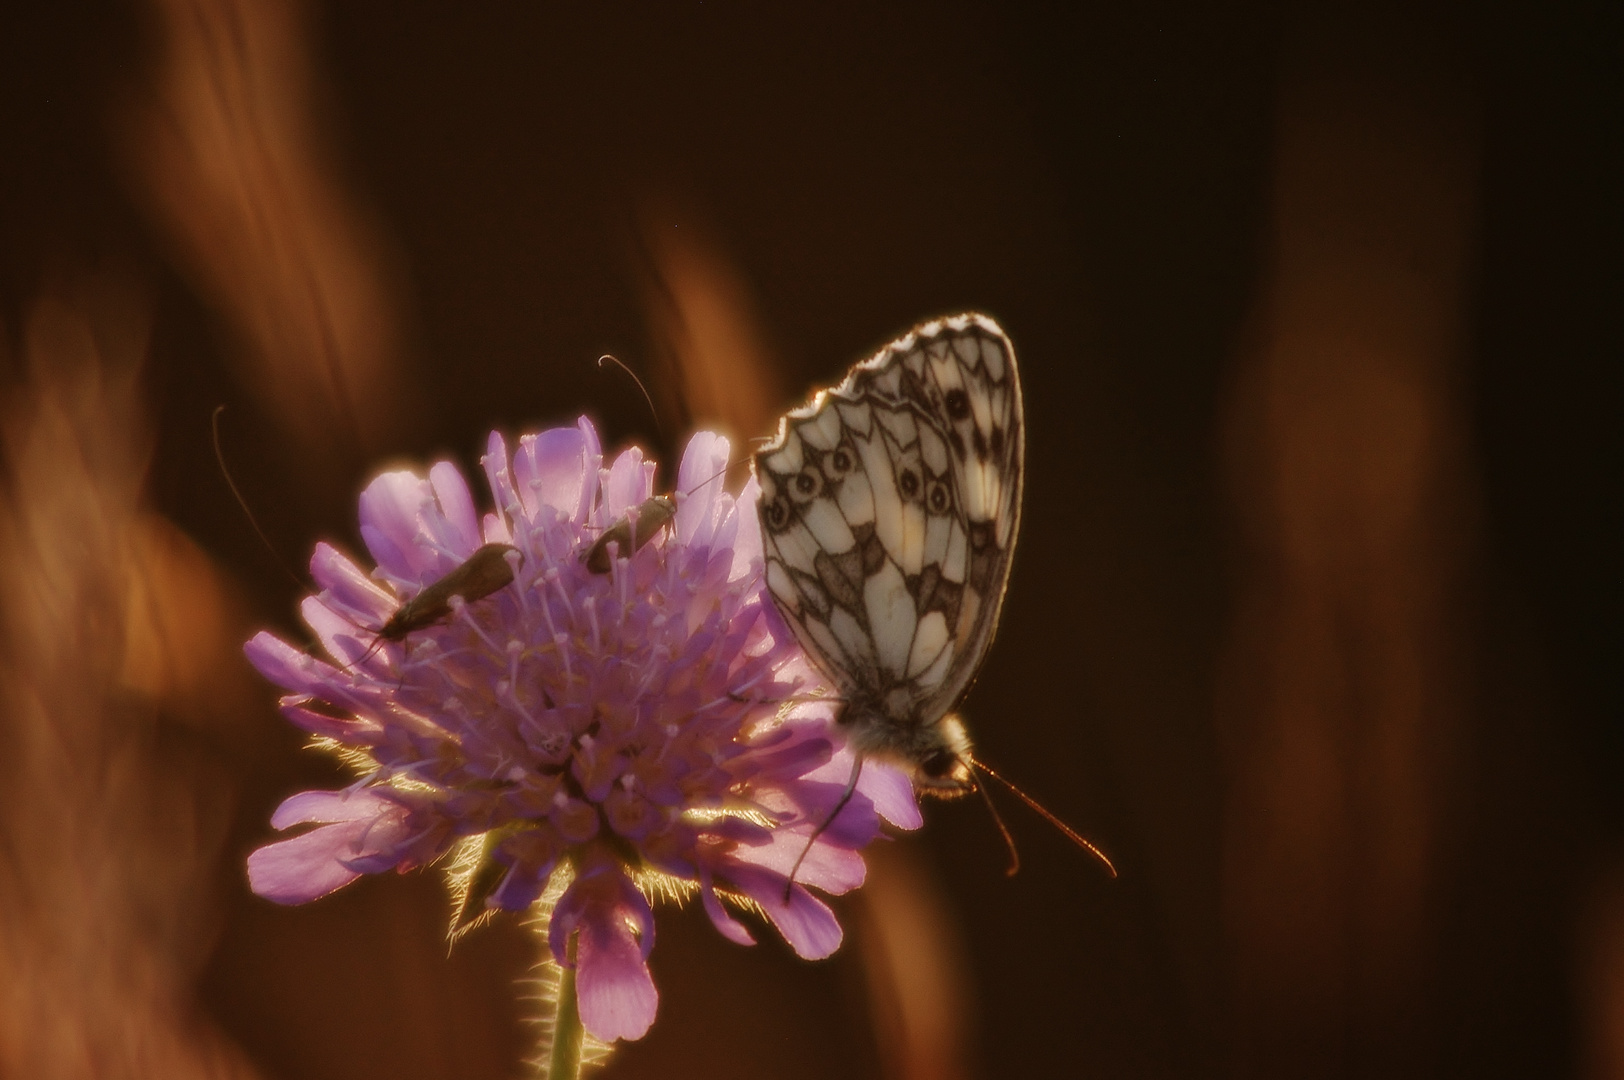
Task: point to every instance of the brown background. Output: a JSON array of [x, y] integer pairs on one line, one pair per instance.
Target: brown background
[[1314, 624]]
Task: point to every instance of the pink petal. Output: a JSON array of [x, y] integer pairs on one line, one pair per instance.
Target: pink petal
[[727, 527], [499, 473], [887, 787], [550, 470], [349, 585], [806, 922], [344, 640], [365, 827], [461, 520], [833, 869], [629, 482], [699, 481], [358, 730], [593, 462], [284, 665], [496, 530], [392, 508], [612, 982], [892, 794], [730, 928], [747, 554], [599, 891], [293, 670], [328, 807], [519, 888], [616, 931]]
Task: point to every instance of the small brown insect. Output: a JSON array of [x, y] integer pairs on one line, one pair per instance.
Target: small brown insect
[[484, 572], [631, 532]]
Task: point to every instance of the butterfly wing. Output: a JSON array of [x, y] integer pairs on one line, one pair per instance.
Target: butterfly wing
[[889, 508], [960, 377]]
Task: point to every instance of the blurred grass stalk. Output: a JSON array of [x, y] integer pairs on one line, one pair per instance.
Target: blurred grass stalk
[[120, 675], [1342, 689], [227, 152], [115, 660]]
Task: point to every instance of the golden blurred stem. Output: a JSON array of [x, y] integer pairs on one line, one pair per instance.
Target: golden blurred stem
[[565, 1060]]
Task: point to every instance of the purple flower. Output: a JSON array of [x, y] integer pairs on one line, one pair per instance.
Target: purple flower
[[645, 732]]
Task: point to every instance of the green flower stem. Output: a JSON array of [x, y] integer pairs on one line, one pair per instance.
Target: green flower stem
[[564, 1063]]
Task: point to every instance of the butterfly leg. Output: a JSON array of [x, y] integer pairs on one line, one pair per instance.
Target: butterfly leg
[[793, 699], [840, 804]]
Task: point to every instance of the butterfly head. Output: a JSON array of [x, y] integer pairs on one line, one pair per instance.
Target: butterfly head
[[935, 754], [942, 766]]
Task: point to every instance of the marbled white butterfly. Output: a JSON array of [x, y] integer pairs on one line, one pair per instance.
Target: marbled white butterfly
[[889, 509]]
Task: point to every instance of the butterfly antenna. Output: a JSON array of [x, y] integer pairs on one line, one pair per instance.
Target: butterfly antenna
[[998, 820], [219, 456], [651, 410], [1043, 812], [823, 826]]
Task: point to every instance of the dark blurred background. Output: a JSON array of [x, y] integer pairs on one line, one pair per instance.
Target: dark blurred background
[[1315, 621]]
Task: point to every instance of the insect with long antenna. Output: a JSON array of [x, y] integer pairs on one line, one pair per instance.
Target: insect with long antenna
[[630, 532], [484, 572], [889, 510], [635, 528]]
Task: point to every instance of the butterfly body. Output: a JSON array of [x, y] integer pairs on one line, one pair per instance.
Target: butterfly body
[[889, 509]]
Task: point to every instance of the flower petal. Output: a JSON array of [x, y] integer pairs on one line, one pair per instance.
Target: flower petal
[[344, 640], [729, 927], [832, 868], [616, 991], [593, 462], [302, 673], [629, 482], [615, 928], [328, 807], [892, 794], [357, 730], [805, 921], [496, 530], [747, 553], [393, 512], [613, 986], [699, 482], [499, 474], [349, 586], [313, 864], [461, 520], [555, 468]]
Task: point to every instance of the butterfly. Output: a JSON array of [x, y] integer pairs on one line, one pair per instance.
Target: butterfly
[[889, 510]]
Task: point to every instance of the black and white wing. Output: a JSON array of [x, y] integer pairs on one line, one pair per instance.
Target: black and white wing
[[889, 508]]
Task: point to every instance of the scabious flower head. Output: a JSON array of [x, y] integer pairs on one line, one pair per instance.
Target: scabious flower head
[[654, 730]]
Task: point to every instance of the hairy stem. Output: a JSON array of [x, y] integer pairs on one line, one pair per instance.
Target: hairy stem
[[564, 1063]]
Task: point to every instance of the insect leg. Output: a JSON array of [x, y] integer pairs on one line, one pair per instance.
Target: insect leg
[[840, 804], [793, 699]]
